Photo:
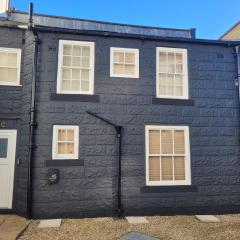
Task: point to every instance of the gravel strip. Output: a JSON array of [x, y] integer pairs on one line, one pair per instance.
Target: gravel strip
[[164, 227]]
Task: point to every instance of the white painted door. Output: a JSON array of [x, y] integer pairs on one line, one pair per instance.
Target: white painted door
[[7, 164]]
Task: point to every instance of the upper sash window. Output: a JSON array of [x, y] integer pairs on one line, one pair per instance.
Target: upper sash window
[[124, 62], [75, 67], [10, 64], [172, 73]]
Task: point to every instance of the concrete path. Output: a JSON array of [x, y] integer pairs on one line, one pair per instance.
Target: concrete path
[[208, 218], [11, 226], [51, 223], [137, 220]]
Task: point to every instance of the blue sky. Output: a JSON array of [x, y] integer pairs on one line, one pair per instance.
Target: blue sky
[[211, 17]]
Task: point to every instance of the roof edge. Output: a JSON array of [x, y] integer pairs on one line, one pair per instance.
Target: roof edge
[[137, 36], [229, 30], [190, 30]]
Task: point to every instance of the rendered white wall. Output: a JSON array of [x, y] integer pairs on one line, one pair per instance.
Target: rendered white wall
[[4, 5]]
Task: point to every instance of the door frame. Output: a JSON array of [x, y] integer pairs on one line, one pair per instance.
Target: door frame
[[13, 136]]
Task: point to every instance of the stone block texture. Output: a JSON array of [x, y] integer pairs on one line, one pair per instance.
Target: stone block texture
[[90, 190], [13, 102]]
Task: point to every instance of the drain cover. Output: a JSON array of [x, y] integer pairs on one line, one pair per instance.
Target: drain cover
[[137, 236]]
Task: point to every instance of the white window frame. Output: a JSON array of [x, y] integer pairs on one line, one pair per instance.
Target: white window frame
[[55, 155], [187, 180], [18, 51], [124, 50], [92, 64], [184, 52]]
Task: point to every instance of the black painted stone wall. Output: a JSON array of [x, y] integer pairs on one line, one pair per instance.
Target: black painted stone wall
[[11, 106], [90, 190]]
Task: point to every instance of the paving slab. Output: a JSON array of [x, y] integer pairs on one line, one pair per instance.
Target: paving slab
[[137, 220], [50, 223], [12, 226], [137, 236], [208, 218]]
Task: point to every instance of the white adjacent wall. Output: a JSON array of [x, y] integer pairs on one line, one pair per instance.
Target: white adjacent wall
[[4, 5]]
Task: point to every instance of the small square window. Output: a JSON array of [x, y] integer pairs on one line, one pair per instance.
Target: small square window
[[172, 73], [124, 62], [167, 155], [65, 142], [10, 62], [75, 67]]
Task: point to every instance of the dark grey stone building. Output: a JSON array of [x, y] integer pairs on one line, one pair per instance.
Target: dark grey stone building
[[176, 98]]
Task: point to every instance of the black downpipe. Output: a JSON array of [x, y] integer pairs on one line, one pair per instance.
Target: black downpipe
[[32, 123], [237, 50], [118, 130], [119, 136]]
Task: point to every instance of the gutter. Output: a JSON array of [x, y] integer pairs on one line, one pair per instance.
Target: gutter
[[32, 123]]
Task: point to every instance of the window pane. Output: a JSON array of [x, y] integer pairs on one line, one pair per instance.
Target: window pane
[[167, 168], [67, 61], [70, 135], [3, 59], [171, 63], [70, 148], [85, 62], [179, 59], [130, 58], [12, 75], [179, 168], [170, 85], [179, 91], [179, 63], [178, 80], [84, 86], [75, 86], [154, 142], [162, 62], [118, 68], [167, 142], [179, 146], [118, 57], [86, 51], [129, 69], [162, 57], [12, 60], [3, 147], [61, 148], [76, 62], [85, 74], [61, 135], [76, 73], [3, 75], [67, 50], [66, 85], [154, 168], [66, 73], [162, 84], [76, 50]]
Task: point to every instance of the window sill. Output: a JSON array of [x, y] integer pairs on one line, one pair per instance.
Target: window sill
[[169, 189], [63, 163], [10, 116], [74, 97], [171, 101], [10, 85]]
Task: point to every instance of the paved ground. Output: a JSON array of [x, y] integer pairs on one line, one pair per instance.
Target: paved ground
[[11, 226], [169, 228]]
